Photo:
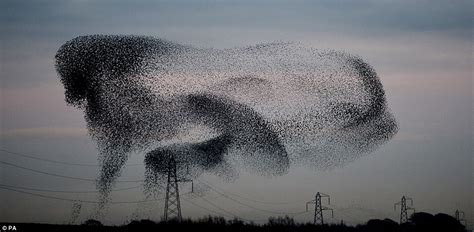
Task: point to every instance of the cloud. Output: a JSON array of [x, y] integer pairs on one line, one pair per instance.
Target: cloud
[[364, 16]]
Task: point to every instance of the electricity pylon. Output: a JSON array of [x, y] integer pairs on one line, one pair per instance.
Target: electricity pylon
[[319, 208], [404, 208], [459, 215], [172, 202]]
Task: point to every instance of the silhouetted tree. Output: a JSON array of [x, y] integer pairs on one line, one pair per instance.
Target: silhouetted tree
[[424, 222], [446, 222]]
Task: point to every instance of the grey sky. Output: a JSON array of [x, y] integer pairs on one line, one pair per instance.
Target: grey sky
[[422, 51]]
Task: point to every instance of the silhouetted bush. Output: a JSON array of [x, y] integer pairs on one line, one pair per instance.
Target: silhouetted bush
[[281, 221], [92, 222], [142, 223], [213, 220]]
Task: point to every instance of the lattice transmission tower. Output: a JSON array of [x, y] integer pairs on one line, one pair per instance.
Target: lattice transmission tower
[[319, 208], [172, 201], [459, 215], [404, 208]]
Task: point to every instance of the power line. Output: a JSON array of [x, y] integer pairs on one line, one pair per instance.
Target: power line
[[300, 213], [230, 213], [62, 176], [65, 191], [257, 201], [368, 211], [217, 207], [227, 213], [47, 160], [55, 161], [18, 189], [340, 210], [247, 205], [74, 200], [209, 210]]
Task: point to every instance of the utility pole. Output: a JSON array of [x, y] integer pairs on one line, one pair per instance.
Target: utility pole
[[172, 202], [459, 215], [404, 208], [319, 208]]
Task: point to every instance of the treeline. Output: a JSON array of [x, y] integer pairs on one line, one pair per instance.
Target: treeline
[[419, 222]]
